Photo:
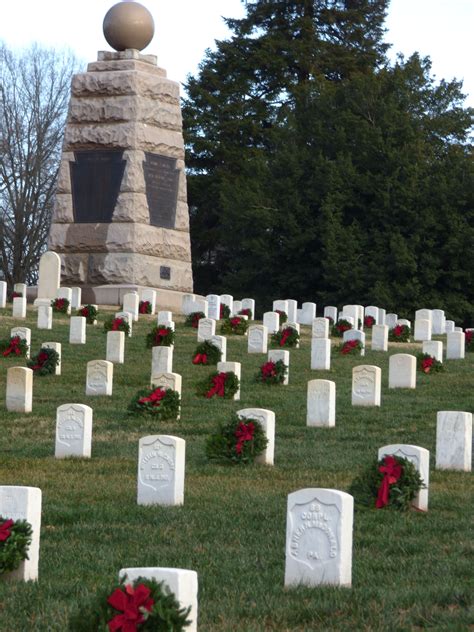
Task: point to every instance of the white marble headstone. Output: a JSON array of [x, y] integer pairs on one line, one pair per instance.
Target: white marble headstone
[[257, 339], [402, 371], [321, 403], [320, 354], [454, 440], [366, 385], [161, 461], [99, 378], [266, 419], [274, 355], [73, 431], [19, 396]]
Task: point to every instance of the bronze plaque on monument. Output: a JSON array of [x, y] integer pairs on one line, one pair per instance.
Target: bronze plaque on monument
[[96, 177], [162, 181]]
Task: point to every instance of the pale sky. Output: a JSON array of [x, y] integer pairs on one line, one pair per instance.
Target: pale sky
[[442, 29]]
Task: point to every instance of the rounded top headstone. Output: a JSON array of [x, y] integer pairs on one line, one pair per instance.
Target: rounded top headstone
[[128, 25]]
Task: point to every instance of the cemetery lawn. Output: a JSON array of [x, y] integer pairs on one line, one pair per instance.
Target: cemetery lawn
[[410, 571]]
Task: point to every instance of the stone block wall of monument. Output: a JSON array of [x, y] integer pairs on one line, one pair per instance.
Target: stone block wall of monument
[[121, 214]]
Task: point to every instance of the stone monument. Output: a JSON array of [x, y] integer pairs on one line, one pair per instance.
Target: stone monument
[[121, 219]]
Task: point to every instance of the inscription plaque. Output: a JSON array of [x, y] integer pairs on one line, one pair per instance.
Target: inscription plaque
[[96, 177], [161, 181], [165, 273]]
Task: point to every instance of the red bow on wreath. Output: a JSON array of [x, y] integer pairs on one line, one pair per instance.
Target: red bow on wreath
[[268, 369], [133, 603], [426, 364], [14, 347], [284, 336], [200, 358], [160, 334], [243, 433], [116, 323], [5, 531], [43, 357], [218, 385], [155, 397], [392, 471]]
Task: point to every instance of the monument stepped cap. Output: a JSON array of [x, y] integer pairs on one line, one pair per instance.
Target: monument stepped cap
[[128, 25]]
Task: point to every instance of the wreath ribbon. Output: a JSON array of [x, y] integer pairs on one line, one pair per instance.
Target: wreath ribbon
[[133, 603], [392, 471], [200, 358], [218, 385], [14, 347]]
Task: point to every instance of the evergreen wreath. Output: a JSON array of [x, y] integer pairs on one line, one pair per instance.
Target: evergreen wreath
[[60, 305], [369, 322], [428, 364], [223, 384], [235, 325], [117, 324], [351, 347], [392, 482], [246, 312], [399, 333], [469, 340], [144, 307], [340, 327], [15, 539], [192, 319], [286, 337], [89, 312], [272, 372], [283, 316], [15, 345], [143, 604], [207, 353], [160, 336], [238, 441], [162, 403], [45, 362], [224, 311]]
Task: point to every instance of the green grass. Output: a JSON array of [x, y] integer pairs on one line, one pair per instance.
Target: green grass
[[410, 571]]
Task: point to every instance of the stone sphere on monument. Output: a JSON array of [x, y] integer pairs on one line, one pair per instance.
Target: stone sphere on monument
[[128, 25]]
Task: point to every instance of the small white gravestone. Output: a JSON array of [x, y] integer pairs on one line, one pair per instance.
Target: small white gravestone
[[181, 582], [438, 321], [161, 460], [3, 294], [434, 348], [186, 306], [206, 329], [422, 330], [77, 330], [320, 354], [292, 310], [420, 457], [330, 312], [380, 338], [56, 346], [373, 312], [235, 367], [404, 321], [19, 307], [382, 316], [23, 503], [127, 316], [449, 326], [214, 306], [115, 350], [281, 306], [366, 385], [228, 299], [25, 334], [49, 275], [257, 339], [249, 303], [307, 313], [424, 314], [458, 329], [455, 345], [274, 355], [321, 403], [454, 440], [391, 320], [65, 292], [402, 371], [131, 301], [99, 378], [295, 326], [266, 419], [319, 538], [271, 320], [355, 334], [73, 431], [161, 360], [19, 396], [45, 317], [170, 380], [20, 288], [320, 328], [236, 307], [221, 343], [164, 317], [76, 297], [200, 305], [150, 297], [352, 311]]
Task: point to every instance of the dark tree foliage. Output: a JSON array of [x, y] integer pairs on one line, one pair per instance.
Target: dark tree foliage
[[319, 171]]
